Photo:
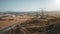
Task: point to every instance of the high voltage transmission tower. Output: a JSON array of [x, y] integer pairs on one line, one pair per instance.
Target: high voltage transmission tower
[[42, 13]]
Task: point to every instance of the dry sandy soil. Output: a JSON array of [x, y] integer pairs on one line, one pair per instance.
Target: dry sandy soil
[[16, 20]]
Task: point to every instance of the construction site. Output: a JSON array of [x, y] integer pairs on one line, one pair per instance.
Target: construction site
[[28, 23]]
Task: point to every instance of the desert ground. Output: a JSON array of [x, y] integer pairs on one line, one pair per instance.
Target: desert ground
[[30, 23]]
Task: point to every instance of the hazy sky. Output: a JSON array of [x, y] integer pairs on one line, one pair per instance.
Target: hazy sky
[[28, 5]]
